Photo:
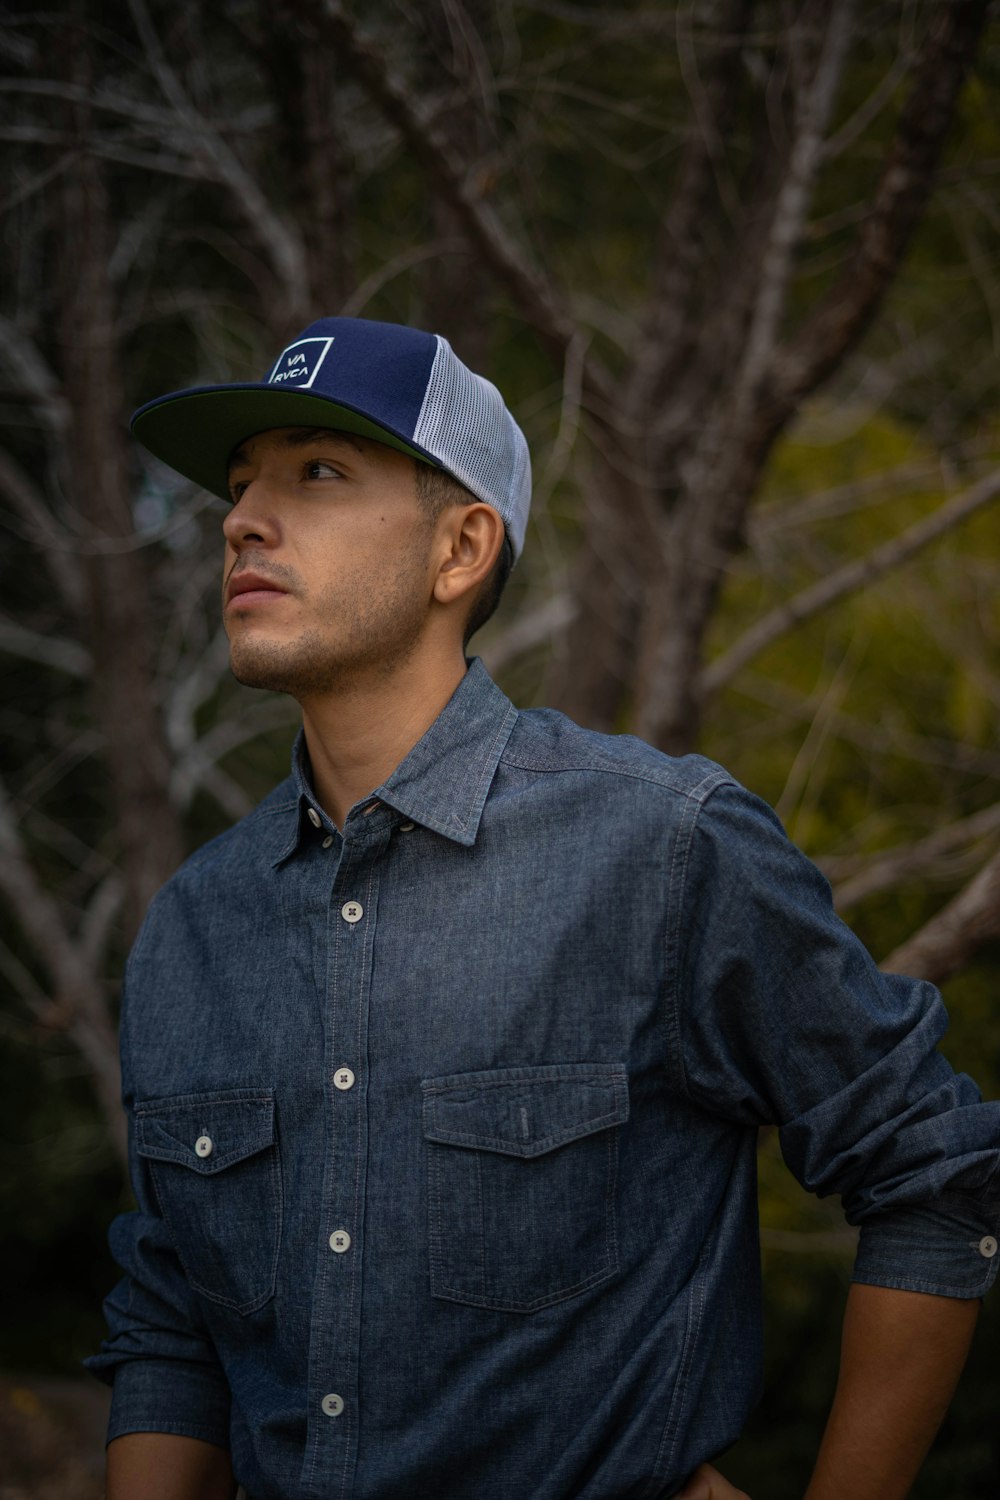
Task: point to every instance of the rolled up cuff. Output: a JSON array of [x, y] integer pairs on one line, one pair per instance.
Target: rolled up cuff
[[158, 1395], [947, 1249]]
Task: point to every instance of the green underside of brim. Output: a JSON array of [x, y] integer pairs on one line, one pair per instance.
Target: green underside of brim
[[195, 434]]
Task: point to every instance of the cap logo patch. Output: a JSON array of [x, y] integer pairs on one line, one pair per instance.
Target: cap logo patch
[[299, 364]]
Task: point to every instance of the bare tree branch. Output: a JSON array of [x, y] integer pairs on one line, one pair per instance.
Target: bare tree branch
[[530, 629], [680, 247], [414, 255], [65, 655], [843, 316], [949, 940], [43, 530], [33, 375], [870, 108], [814, 108], [284, 247], [873, 739], [847, 580], [104, 907], [891, 867], [533, 292], [78, 1003]]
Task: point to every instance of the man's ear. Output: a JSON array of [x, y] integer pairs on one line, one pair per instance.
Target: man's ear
[[470, 538]]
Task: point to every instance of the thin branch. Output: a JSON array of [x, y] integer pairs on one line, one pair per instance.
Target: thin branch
[[891, 867], [949, 940], [34, 376], [844, 314], [78, 1000], [390, 269], [569, 425], [192, 770], [870, 109], [873, 739], [847, 580], [38, 914], [104, 907], [42, 529], [52, 651], [284, 248], [680, 248], [38, 182], [804, 766], [529, 630], [841, 499], [815, 107], [536, 296], [102, 99]]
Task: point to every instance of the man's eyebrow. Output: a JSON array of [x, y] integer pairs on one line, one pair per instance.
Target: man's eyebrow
[[301, 437]]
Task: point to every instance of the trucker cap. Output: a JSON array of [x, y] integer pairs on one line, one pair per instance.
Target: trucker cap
[[383, 381]]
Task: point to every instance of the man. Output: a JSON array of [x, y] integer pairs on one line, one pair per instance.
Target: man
[[444, 1067]]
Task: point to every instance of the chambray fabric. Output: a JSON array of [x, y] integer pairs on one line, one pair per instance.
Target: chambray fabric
[[509, 1041]]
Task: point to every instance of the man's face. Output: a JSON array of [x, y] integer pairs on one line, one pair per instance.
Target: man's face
[[327, 577]]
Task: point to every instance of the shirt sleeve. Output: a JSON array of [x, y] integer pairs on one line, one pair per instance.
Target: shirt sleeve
[[158, 1357], [783, 1018]]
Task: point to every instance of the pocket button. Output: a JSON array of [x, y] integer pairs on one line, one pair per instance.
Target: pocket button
[[204, 1146]]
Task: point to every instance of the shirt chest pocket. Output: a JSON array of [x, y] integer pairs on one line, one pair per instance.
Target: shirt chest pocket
[[213, 1161], [522, 1182]]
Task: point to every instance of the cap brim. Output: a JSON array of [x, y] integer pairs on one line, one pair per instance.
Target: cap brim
[[195, 431]]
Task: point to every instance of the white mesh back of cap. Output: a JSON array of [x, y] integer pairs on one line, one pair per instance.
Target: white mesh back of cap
[[464, 423]]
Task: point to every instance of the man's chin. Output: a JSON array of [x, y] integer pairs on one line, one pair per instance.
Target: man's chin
[[264, 667], [300, 670]]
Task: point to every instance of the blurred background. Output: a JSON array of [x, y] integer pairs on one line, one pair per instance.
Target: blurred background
[[735, 267]]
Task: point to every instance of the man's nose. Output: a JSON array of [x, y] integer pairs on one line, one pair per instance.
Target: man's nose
[[252, 521]]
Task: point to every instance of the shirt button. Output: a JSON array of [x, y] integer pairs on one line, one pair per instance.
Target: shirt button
[[406, 827], [332, 1405], [352, 911], [328, 841], [314, 817], [340, 1241], [988, 1246], [343, 1078], [204, 1146]]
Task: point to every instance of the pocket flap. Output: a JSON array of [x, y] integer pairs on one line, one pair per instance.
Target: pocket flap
[[525, 1111], [206, 1132]]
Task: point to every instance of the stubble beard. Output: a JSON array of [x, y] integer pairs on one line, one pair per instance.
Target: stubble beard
[[384, 626]]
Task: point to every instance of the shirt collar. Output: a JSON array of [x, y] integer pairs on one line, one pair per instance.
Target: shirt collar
[[445, 779]]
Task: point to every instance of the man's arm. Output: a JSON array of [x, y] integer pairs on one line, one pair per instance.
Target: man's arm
[[160, 1466], [901, 1356]]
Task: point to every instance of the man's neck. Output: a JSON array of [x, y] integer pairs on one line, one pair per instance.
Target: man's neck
[[357, 737]]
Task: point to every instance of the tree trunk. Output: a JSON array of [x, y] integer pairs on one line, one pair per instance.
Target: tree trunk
[[119, 624]]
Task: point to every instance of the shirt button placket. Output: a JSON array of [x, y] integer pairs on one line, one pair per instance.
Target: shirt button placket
[[351, 933]]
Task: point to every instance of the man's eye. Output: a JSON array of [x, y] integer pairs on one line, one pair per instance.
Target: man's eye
[[237, 491], [320, 468]]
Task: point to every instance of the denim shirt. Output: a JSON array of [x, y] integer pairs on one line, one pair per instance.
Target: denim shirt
[[443, 1130]]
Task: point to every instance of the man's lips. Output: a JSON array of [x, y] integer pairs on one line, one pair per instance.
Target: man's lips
[[250, 588]]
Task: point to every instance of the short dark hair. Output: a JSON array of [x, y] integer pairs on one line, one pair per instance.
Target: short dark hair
[[436, 491]]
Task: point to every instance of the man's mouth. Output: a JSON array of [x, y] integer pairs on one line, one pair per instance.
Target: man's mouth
[[253, 588]]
